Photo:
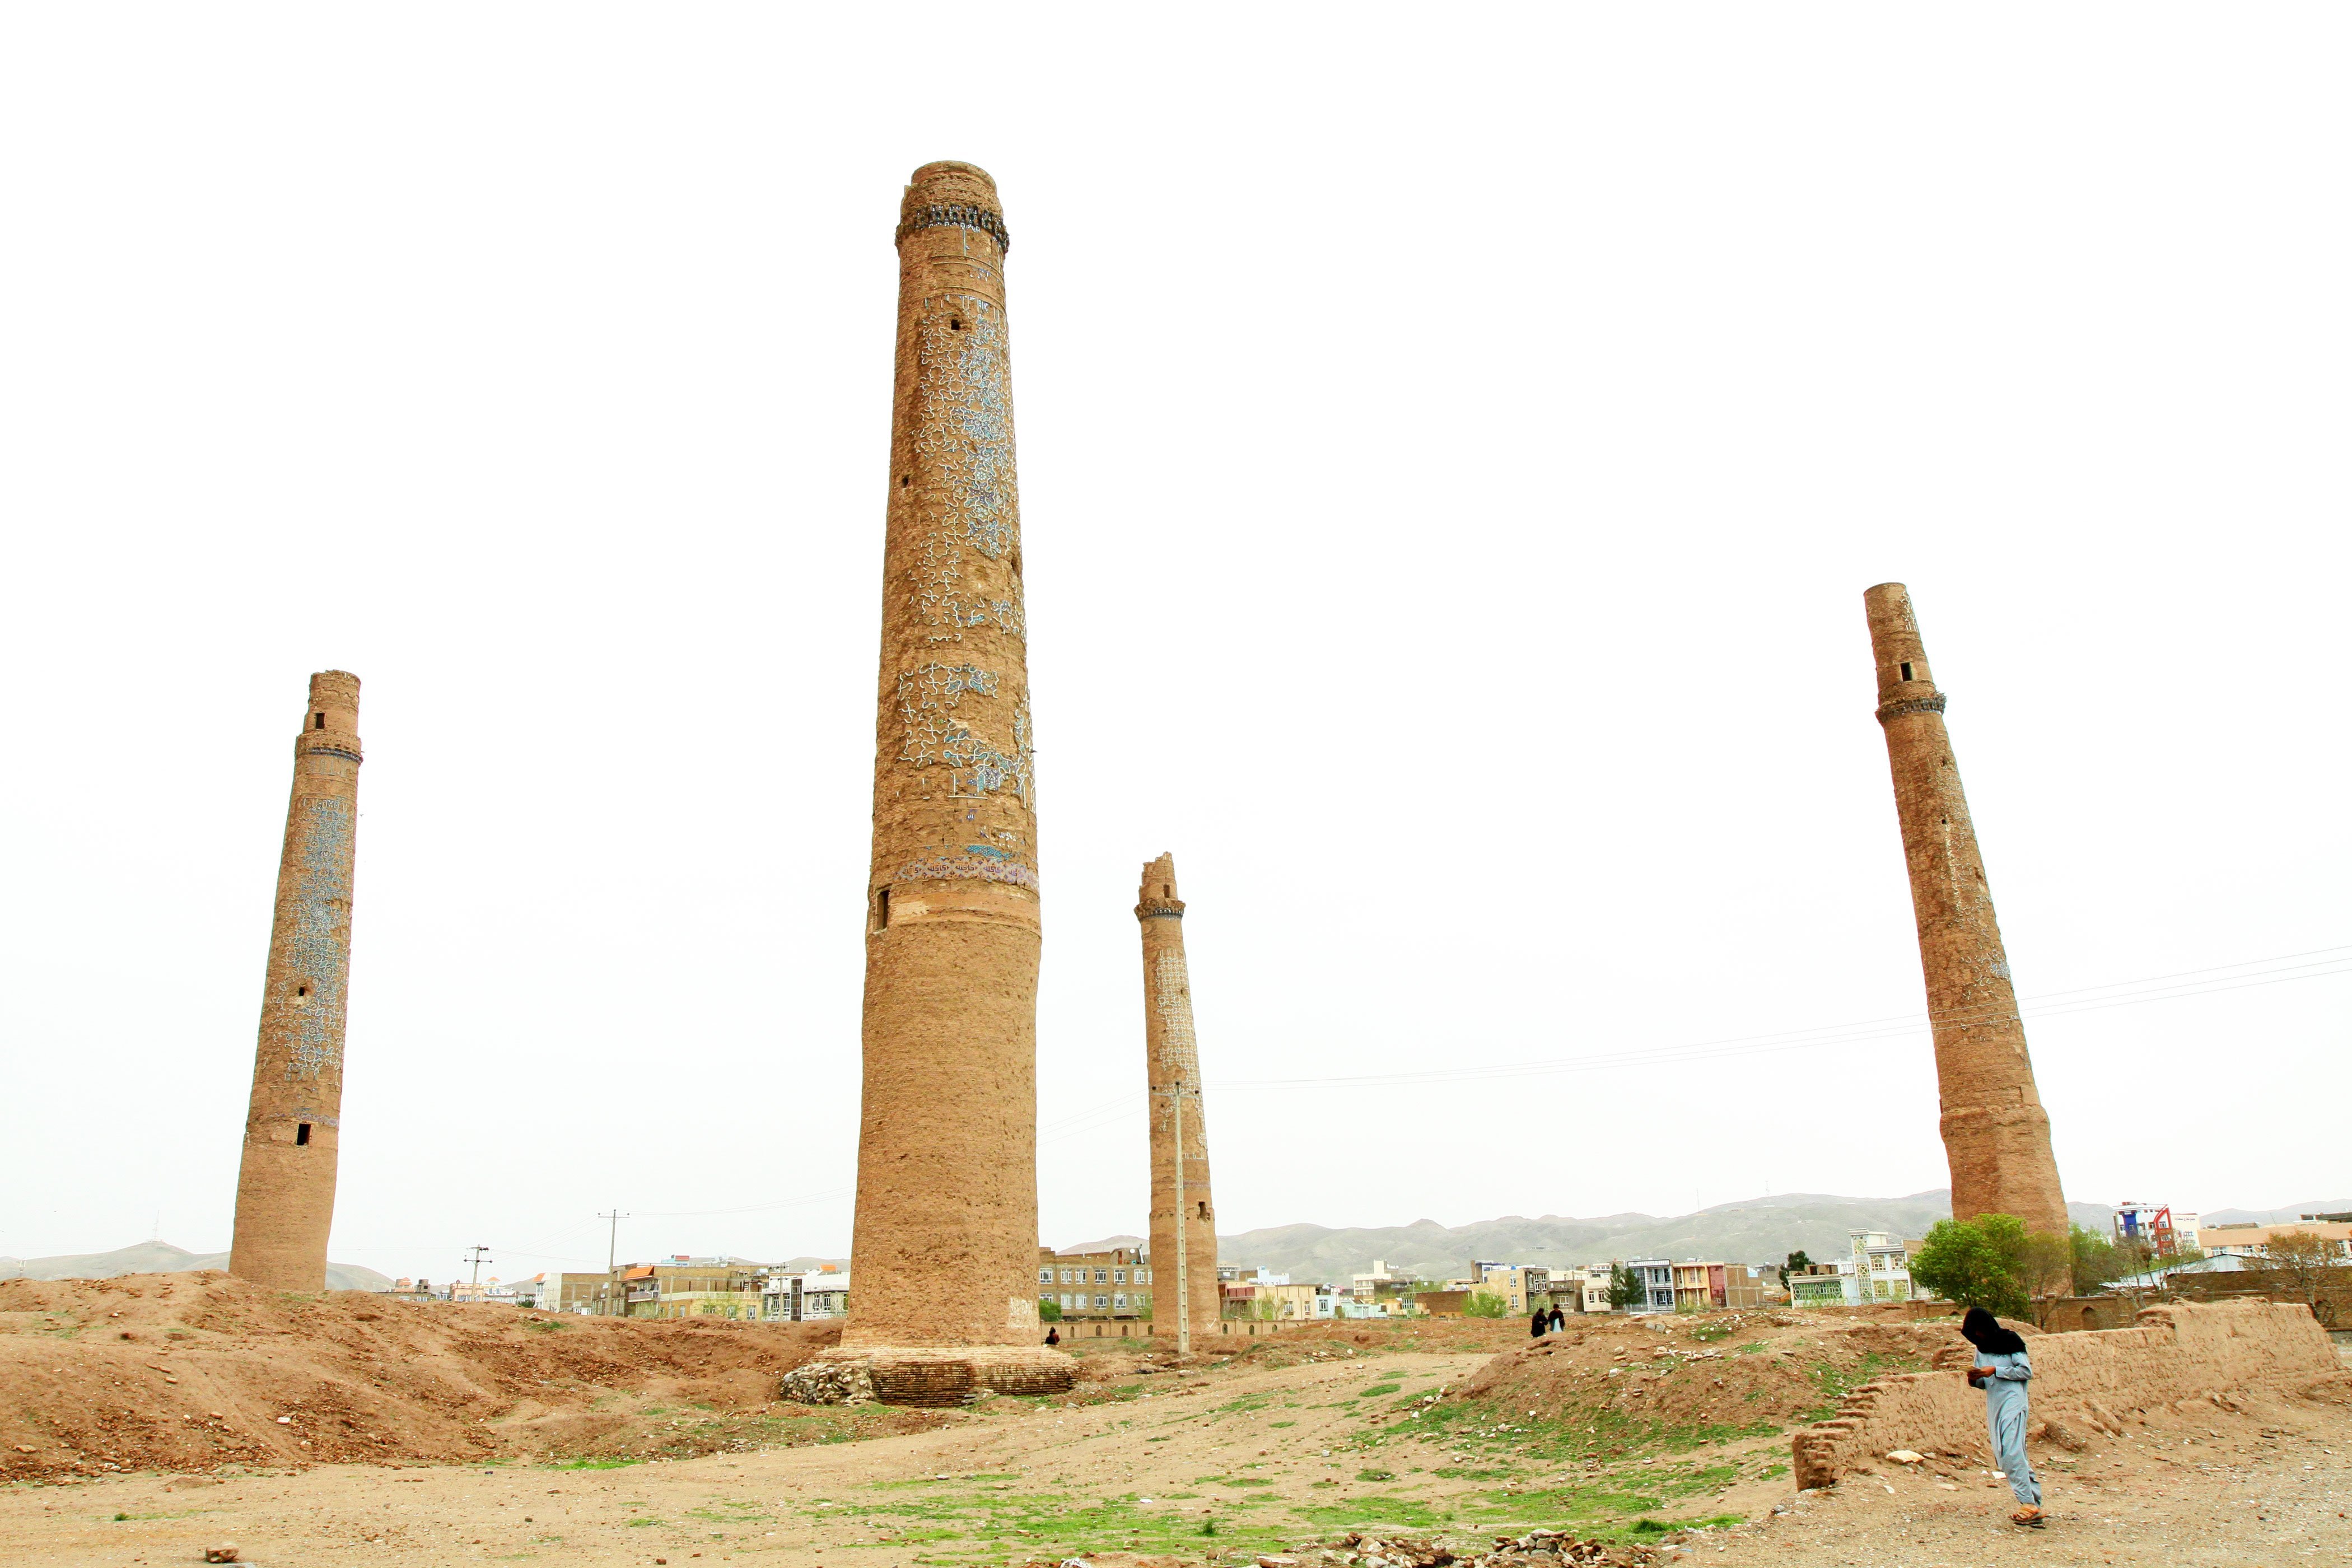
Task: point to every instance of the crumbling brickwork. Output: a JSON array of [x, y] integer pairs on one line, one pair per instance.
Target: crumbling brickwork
[[946, 1232], [2081, 1381], [1172, 1068], [286, 1182], [1995, 1134]]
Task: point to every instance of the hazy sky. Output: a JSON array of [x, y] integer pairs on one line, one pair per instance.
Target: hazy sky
[[1454, 445]]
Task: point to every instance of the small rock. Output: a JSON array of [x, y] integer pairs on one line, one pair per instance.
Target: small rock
[[286, 1421], [25, 1449], [224, 1553], [1906, 1457]]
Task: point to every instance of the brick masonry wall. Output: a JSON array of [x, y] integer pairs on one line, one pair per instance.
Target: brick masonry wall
[[2081, 1381], [1171, 1063], [946, 1226], [1996, 1134], [286, 1180]]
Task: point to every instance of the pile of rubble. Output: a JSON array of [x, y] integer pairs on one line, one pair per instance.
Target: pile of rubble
[[829, 1383], [1536, 1548]]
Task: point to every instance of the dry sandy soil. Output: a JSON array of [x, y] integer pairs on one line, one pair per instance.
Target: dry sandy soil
[[1301, 1440]]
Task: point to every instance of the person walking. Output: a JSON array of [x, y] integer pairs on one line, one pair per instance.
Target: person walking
[[1536, 1324], [1558, 1322], [2003, 1370]]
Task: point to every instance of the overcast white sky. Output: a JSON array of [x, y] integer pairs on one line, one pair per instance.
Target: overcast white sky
[[1453, 445]]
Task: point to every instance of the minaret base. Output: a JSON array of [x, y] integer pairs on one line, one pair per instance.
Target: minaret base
[[929, 1376]]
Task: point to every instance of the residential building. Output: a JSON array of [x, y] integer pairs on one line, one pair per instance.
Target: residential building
[[1581, 1289], [1876, 1267], [1113, 1284], [684, 1287], [789, 1297], [1271, 1297], [1523, 1287], [1658, 1277], [2253, 1240], [2156, 1227], [1370, 1287]]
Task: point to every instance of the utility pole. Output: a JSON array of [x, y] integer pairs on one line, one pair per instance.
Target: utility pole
[[480, 1254], [611, 1246]]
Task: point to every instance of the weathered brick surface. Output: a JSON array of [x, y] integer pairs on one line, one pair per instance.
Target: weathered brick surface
[[2081, 1382], [286, 1182], [946, 1228], [1996, 1134], [1172, 1066]]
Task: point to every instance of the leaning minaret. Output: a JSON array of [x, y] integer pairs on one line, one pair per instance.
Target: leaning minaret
[[286, 1185], [945, 1249], [1995, 1134], [1172, 1063]]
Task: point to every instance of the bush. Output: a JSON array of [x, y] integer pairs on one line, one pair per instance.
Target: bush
[[1049, 1311], [1483, 1304], [1978, 1262]]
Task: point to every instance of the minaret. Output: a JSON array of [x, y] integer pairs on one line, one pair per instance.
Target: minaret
[[286, 1185], [1172, 1063], [1995, 1134], [945, 1249]]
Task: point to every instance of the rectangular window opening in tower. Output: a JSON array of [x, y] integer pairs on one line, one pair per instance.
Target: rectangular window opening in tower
[[317, 720], [881, 908], [301, 1133], [1906, 670]]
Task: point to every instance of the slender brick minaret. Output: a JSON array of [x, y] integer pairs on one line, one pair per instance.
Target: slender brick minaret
[[944, 1254], [286, 1184], [1995, 1134], [1172, 1066]]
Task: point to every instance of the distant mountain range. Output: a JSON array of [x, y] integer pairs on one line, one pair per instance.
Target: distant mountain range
[[2276, 1216], [162, 1258], [1757, 1230]]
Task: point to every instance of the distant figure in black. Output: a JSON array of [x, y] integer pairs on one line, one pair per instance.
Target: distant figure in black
[[1539, 1323], [1558, 1322], [1053, 1336]]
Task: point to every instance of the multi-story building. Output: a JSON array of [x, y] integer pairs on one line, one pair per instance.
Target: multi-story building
[[1521, 1287], [789, 1297], [1658, 1277], [1707, 1286], [2157, 1226], [682, 1287], [1876, 1267], [2253, 1240], [1114, 1284], [1274, 1297]]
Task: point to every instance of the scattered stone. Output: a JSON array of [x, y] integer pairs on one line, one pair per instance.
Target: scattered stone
[[829, 1383], [1906, 1457], [224, 1553]]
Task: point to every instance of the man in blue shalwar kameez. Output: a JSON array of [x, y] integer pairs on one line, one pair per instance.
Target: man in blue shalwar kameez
[[2003, 1370]]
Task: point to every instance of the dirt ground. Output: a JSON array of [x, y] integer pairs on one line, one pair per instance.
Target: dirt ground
[[1294, 1445]]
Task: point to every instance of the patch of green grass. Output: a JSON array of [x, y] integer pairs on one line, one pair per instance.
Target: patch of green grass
[[1461, 1473], [636, 1523], [1769, 1471], [1376, 1475], [1379, 1388], [591, 1463], [1834, 1382], [1751, 1348], [1383, 1509], [1278, 1425], [1244, 1482], [1708, 1333]]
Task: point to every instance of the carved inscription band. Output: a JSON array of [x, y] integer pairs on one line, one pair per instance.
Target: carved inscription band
[[955, 215], [1912, 705]]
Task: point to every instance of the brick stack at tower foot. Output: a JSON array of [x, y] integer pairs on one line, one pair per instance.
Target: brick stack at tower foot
[[1172, 1063], [945, 1247], [285, 1184], [1995, 1134]]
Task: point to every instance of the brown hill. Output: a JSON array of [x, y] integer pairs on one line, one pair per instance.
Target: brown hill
[[162, 1258]]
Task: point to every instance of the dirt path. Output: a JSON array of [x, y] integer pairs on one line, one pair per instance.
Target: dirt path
[[1268, 1457]]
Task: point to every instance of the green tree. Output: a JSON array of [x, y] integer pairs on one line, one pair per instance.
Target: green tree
[[1796, 1263], [1483, 1304], [2304, 1262], [1978, 1262], [1625, 1287], [1049, 1311]]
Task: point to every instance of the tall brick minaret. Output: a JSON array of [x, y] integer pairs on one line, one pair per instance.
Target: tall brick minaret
[[1172, 1065], [944, 1253], [1995, 1134], [286, 1184]]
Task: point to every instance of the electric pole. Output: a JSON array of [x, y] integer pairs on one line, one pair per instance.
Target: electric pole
[[612, 1247], [480, 1254]]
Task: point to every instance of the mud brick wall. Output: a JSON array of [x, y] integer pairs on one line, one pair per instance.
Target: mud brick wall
[[946, 1226], [293, 1123], [1996, 1134], [2081, 1382]]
